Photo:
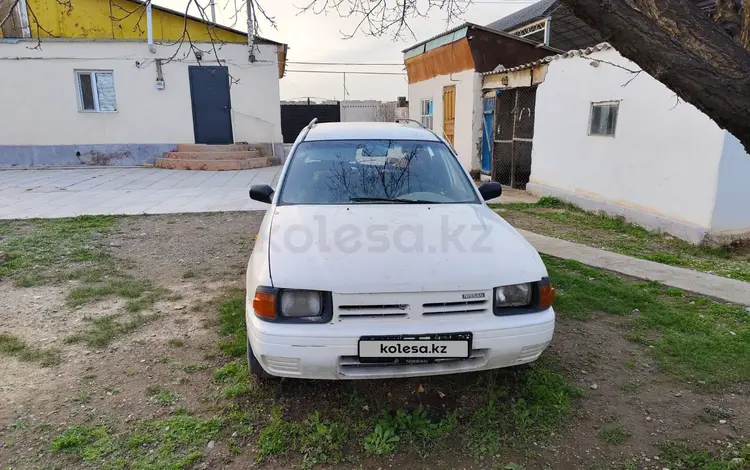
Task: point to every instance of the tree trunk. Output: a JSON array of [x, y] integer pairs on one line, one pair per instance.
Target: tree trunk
[[745, 38], [681, 47]]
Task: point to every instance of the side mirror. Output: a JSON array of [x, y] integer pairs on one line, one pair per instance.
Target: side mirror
[[491, 190], [261, 193]]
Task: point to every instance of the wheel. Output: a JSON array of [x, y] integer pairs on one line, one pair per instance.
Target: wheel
[[256, 370]]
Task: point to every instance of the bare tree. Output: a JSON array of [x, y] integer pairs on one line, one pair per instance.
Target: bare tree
[[385, 112]]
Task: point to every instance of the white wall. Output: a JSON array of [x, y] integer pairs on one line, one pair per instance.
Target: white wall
[[468, 130], [663, 161], [732, 208], [39, 89]]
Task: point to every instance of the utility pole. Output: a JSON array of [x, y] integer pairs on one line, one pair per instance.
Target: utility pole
[[213, 10], [343, 102]]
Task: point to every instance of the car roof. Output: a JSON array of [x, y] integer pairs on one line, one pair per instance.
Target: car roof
[[369, 131]]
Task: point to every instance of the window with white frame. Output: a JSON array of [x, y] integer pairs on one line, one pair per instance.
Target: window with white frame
[[427, 113], [604, 118], [96, 91]]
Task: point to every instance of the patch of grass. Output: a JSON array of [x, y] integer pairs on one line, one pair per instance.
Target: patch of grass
[[712, 415], [104, 330], [174, 443], [232, 325], [190, 274], [318, 440], [630, 364], [629, 386], [556, 218], [677, 455], [161, 396], [176, 342], [37, 245], [11, 345], [615, 434], [236, 378], [692, 337], [141, 294], [17, 424], [531, 409], [191, 368], [82, 398], [407, 427]]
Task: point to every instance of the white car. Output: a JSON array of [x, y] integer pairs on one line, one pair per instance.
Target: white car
[[379, 258]]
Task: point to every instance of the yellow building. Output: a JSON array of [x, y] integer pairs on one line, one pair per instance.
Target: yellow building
[[122, 82]]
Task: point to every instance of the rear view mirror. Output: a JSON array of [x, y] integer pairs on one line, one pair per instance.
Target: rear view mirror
[[261, 193], [491, 190]]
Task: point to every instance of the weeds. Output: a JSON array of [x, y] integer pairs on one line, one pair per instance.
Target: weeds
[[104, 330], [174, 443], [161, 396], [11, 345], [615, 434], [232, 325]]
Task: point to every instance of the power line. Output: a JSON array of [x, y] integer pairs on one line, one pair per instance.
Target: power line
[[342, 63], [346, 72]]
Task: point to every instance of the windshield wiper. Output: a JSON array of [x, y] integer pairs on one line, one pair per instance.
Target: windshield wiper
[[395, 200]]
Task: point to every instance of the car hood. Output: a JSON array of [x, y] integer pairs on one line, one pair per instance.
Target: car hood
[[364, 248]]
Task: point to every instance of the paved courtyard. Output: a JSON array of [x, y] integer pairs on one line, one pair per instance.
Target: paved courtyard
[[70, 192]]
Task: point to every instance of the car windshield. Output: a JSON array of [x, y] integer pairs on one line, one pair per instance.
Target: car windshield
[[375, 171]]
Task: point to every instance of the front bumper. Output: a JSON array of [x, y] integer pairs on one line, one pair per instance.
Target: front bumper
[[330, 351]]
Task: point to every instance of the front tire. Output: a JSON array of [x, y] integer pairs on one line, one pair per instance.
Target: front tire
[[253, 365]]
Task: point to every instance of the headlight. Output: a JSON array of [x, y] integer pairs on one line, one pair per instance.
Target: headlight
[[292, 305], [301, 303], [517, 295]]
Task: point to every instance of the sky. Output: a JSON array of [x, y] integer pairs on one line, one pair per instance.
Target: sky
[[318, 38]]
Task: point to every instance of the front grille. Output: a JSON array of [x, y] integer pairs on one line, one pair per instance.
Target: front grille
[[372, 311], [448, 308]]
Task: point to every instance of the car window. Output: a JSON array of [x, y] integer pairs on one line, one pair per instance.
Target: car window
[[374, 171]]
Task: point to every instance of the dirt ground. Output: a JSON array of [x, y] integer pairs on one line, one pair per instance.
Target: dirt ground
[[199, 257]]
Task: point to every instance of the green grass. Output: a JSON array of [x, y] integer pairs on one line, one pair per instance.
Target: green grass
[[103, 330], [174, 443], [680, 456], [232, 325], [35, 246], [519, 413], [693, 338], [161, 396], [558, 219], [11, 345], [176, 342], [235, 378], [140, 293], [615, 434]]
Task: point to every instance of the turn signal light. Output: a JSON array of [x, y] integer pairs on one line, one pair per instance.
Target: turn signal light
[[264, 304], [546, 295]]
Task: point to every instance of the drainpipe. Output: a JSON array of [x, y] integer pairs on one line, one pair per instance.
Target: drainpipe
[[149, 28]]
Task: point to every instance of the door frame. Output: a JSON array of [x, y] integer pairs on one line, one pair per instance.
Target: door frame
[[452, 140], [229, 100]]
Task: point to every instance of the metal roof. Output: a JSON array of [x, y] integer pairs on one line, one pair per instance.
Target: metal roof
[[574, 53], [483, 28], [531, 13]]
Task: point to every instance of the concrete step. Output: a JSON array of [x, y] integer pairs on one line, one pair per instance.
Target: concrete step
[[214, 148], [235, 155], [215, 165]]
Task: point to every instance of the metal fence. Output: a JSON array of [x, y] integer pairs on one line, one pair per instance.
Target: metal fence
[[514, 133]]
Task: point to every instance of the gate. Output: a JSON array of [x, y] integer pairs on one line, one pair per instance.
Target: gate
[[295, 117], [514, 134]]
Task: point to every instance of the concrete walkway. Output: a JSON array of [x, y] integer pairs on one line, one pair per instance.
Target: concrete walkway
[[731, 290], [92, 191]]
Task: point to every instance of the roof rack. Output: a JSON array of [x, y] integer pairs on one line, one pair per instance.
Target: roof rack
[[407, 120], [306, 130]]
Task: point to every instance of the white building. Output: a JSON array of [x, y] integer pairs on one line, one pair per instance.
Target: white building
[[607, 136], [113, 102], [445, 81]]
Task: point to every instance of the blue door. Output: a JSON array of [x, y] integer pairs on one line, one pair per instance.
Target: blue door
[[487, 129], [209, 93]]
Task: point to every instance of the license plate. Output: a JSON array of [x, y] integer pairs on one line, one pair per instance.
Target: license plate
[[442, 346]]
